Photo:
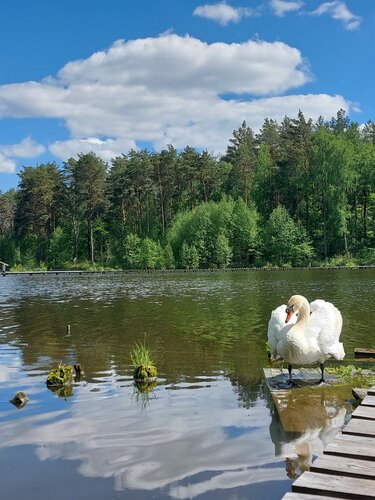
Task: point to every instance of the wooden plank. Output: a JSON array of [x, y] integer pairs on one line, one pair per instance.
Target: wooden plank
[[343, 466], [364, 353], [369, 400], [358, 427], [334, 486], [364, 412], [305, 496], [351, 447], [371, 391]]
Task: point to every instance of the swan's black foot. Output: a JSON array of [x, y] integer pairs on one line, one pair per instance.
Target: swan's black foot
[[322, 382]]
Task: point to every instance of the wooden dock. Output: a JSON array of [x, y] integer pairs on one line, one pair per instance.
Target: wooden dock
[[347, 467]]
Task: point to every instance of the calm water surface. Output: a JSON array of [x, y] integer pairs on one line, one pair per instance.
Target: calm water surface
[[208, 429]]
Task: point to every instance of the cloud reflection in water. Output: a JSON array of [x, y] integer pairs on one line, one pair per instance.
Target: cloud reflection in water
[[179, 436]]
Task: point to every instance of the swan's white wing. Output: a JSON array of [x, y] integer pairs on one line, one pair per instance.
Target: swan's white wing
[[325, 325], [277, 328]]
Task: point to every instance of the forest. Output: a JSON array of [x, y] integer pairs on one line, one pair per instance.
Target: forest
[[297, 193]]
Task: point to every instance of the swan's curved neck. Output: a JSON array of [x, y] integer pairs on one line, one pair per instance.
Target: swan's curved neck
[[303, 312]]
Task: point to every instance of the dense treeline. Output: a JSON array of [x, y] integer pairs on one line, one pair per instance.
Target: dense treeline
[[296, 192]]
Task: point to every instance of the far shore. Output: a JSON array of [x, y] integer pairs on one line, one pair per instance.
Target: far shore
[[169, 271]]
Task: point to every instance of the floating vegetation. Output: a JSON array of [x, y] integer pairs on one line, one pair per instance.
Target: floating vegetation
[[145, 372], [144, 392], [350, 373], [145, 386], [20, 399], [62, 391], [62, 375], [140, 357]]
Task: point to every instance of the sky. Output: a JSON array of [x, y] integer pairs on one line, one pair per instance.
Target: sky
[[111, 75]]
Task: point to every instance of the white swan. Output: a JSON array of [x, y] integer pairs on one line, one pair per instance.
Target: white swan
[[311, 335]]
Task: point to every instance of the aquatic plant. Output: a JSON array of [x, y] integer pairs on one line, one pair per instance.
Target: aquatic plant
[[62, 391], [61, 375], [145, 386], [140, 357], [344, 371]]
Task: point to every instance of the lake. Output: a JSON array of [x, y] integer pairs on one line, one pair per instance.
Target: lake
[[208, 429]]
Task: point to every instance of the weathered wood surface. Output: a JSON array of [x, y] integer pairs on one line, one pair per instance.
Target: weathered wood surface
[[331, 485], [352, 467], [358, 427], [359, 393], [364, 412], [369, 399], [305, 496], [347, 467], [364, 353], [349, 446]]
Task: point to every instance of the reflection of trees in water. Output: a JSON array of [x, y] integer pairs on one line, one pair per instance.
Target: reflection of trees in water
[[188, 337], [248, 388]]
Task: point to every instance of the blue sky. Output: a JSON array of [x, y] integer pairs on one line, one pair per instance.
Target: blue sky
[[107, 76]]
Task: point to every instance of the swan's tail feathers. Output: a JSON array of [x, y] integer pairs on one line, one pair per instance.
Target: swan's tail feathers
[[337, 350]]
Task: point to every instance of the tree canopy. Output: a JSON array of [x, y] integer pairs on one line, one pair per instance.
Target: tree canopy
[[295, 192]]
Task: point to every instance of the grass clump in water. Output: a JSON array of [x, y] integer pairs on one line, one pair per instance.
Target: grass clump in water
[[144, 367], [61, 375]]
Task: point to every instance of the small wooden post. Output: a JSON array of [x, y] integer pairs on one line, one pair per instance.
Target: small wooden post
[[3, 268]]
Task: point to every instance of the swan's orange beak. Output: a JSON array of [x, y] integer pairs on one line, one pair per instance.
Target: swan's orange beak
[[289, 314]]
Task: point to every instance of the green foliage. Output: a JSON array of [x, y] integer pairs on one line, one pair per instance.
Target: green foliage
[[59, 252], [189, 256], [222, 251], [191, 209], [344, 371], [132, 251], [61, 375], [8, 249], [243, 233], [168, 257], [140, 357], [284, 242], [151, 254]]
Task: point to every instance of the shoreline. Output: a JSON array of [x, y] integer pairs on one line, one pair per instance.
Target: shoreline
[[171, 271]]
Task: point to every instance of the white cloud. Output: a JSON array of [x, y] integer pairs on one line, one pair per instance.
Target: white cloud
[[169, 89], [27, 148], [339, 11], [107, 149], [281, 7], [7, 165], [223, 13]]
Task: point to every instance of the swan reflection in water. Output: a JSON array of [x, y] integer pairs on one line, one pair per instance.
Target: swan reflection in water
[[304, 421]]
